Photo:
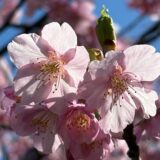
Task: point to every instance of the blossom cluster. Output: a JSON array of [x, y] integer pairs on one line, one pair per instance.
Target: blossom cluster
[[73, 106], [6, 6], [78, 13], [150, 7]]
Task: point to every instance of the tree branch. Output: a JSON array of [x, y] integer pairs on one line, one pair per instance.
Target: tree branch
[[69, 155], [26, 29], [130, 139], [131, 25], [5, 127], [10, 16], [155, 29]]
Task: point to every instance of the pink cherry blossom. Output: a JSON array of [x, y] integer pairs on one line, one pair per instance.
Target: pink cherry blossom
[[5, 73], [118, 86], [6, 8], [98, 149], [59, 154], [149, 127], [77, 122], [5, 104], [151, 7], [78, 13], [49, 65], [120, 150], [37, 121], [8, 98], [81, 134]]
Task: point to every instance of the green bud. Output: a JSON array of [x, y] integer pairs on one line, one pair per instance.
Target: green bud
[[95, 54], [105, 31]]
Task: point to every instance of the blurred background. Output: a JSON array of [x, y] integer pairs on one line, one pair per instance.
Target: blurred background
[[135, 22]]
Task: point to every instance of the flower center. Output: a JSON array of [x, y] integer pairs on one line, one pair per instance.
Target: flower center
[[118, 83], [78, 120], [51, 70]]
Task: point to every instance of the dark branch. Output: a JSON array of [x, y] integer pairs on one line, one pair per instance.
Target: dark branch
[[10, 16], [20, 26], [69, 155], [130, 139], [33, 154], [145, 37], [5, 127], [27, 29]]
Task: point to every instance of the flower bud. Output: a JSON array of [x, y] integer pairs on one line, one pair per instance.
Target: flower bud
[[105, 31], [95, 54]]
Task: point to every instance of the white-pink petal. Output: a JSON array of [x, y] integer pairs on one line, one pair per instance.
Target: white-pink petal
[[24, 50], [143, 61], [28, 87], [61, 38], [77, 66], [146, 99], [120, 114]]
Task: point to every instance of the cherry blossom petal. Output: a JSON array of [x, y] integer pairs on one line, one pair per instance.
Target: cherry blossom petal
[[6, 104], [94, 96], [141, 60], [1, 94], [59, 154], [150, 126], [98, 149], [69, 55], [61, 38], [28, 87], [120, 115], [22, 118], [95, 71], [69, 38], [44, 46], [24, 50], [77, 66], [47, 142], [102, 70], [37, 121], [7, 99], [58, 100], [71, 129], [146, 99]]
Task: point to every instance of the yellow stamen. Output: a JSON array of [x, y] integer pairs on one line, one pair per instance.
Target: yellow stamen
[[51, 70], [78, 120]]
